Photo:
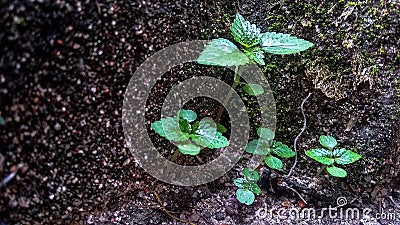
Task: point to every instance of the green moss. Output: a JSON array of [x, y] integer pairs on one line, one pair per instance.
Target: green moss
[[350, 3], [277, 23], [269, 68], [397, 88]]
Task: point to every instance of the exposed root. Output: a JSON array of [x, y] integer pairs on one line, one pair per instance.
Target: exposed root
[[168, 212], [298, 136], [296, 192], [393, 202]]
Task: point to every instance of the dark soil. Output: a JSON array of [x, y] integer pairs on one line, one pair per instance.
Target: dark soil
[[64, 68]]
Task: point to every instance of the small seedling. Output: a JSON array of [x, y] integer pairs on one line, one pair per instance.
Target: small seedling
[[248, 187], [267, 147], [190, 138], [253, 43], [328, 156]]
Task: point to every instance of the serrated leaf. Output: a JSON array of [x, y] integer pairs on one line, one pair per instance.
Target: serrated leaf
[[220, 128], [338, 152], [184, 125], [273, 162], [221, 52], [188, 115], [205, 133], [195, 127], [253, 89], [219, 141], [251, 146], [322, 152], [189, 149], [256, 54], [250, 174], [327, 141], [240, 182], [253, 187], [266, 133], [245, 33], [336, 171], [169, 128], [257, 148], [348, 157], [158, 128], [245, 196], [321, 155], [282, 150], [277, 43]]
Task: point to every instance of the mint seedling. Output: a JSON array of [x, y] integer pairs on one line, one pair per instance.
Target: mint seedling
[[328, 156], [190, 138], [269, 148], [252, 46], [248, 187]]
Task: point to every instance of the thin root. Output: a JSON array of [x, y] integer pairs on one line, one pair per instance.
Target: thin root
[[168, 212], [298, 194], [394, 203]]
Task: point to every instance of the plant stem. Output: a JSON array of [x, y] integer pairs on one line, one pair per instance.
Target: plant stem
[[174, 156], [236, 81], [320, 170], [259, 167], [298, 136]]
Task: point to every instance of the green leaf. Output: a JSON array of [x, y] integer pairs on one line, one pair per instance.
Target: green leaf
[[257, 148], [157, 127], [321, 155], [221, 128], [245, 33], [266, 133], [221, 52], [169, 128], [195, 126], [336, 171], [256, 54], [189, 149], [322, 152], [251, 174], [348, 157], [273, 162], [282, 150], [188, 115], [253, 89], [327, 141], [338, 152], [184, 125], [240, 182], [253, 187], [251, 147], [245, 196], [205, 133], [277, 43], [219, 141]]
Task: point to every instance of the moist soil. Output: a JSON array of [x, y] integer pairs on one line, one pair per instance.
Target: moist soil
[[64, 68]]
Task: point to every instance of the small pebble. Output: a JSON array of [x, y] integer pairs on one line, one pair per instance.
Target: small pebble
[[207, 214], [57, 126], [220, 216]]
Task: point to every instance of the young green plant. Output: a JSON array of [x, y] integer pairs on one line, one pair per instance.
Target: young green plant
[[330, 155], [248, 187], [266, 146], [190, 138], [252, 46]]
